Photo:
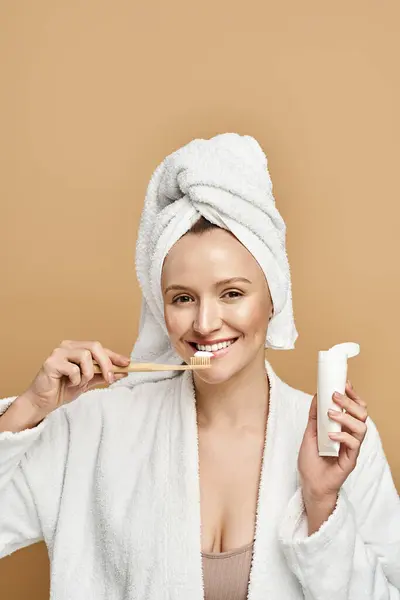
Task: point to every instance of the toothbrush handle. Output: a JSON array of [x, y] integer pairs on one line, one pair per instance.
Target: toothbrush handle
[[146, 367]]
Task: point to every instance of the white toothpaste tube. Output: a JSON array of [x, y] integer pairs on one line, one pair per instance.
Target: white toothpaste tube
[[332, 376]]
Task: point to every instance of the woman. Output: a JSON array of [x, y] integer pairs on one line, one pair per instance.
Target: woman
[[205, 484]]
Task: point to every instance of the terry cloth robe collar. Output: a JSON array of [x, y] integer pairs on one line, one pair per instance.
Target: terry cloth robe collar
[[269, 576]]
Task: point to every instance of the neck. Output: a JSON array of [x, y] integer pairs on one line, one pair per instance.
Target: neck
[[242, 401]]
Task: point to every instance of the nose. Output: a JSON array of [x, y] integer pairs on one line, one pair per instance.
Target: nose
[[207, 318]]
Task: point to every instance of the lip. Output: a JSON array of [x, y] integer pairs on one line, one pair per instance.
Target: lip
[[217, 353], [211, 342], [223, 351]]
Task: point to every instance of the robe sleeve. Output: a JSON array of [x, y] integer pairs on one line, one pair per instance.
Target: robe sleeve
[[355, 555], [20, 525]]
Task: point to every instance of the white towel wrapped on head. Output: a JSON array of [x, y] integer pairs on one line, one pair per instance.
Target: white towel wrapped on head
[[224, 179]]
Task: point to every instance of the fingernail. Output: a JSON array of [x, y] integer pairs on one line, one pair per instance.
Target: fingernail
[[337, 395], [111, 378]]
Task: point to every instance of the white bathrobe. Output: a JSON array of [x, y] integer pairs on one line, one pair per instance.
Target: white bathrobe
[[110, 482]]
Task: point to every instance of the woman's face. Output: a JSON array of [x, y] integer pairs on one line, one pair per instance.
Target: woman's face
[[216, 298]]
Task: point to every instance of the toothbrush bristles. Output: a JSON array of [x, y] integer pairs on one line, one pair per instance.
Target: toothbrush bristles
[[200, 360]]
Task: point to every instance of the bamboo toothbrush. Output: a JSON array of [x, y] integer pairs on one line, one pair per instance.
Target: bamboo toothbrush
[[197, 363]]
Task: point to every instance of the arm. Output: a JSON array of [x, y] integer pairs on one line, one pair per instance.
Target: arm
[[34, 440], [20, 428], [355, 554], [318, 512]]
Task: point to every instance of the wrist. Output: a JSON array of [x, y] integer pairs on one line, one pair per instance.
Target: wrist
[[27, 401], [318, 509], [21, 414], [314, 498]]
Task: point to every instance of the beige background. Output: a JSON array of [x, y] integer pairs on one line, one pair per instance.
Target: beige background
[[95, 94]]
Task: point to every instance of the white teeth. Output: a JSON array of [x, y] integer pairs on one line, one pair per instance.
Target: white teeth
[[214, 347]]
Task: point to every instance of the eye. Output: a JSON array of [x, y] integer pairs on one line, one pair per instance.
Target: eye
[[232, 294], [184, 299]]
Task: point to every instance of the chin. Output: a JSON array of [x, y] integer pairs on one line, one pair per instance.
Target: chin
[[218, 374], [212, 378]]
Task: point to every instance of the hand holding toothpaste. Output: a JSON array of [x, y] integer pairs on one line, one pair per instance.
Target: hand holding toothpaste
[[323, 467]]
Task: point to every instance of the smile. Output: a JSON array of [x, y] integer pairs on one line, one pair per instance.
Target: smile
[[214, 347]]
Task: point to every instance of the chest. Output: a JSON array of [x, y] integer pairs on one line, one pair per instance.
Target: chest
[[229, 473], [152, 495]]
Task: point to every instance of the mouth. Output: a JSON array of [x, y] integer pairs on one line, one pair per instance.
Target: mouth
[[217, 348]]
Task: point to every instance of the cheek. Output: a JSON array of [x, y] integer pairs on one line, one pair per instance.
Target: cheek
[[251, 316], [176, 321]]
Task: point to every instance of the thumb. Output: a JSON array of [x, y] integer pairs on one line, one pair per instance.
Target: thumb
[[98, 379], [312, 416]]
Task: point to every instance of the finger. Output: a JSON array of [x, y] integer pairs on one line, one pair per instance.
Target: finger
[[351, 393], [120, 376], [312, 416], [351, 444], [86, 365], [104, 357], [106, 360], [118, 359], [98, 379], [356, 428], [100, 355], [89, 371], [70, 348], [56, 366], [82, 357], [115, 357], [352, 407], [71, 371]]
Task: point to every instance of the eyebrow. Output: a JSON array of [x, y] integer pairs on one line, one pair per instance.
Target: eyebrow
[[222, 282]]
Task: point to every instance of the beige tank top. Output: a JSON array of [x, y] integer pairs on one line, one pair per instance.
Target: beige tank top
[[226, 574]]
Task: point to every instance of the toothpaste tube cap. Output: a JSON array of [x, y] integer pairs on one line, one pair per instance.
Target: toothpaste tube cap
[[340, 351]]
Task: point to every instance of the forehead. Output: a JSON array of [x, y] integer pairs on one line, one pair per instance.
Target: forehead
[[212, 254]]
